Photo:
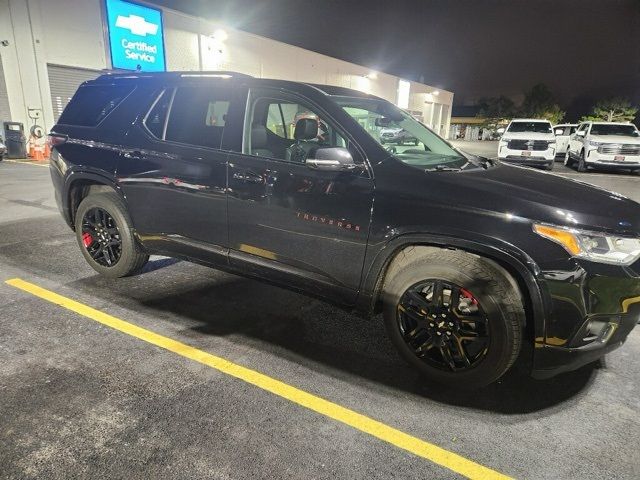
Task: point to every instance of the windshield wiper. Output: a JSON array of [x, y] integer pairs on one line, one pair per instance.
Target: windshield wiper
[[442, 168]]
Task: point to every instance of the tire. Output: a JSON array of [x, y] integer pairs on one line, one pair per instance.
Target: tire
[[495, 291], [567, 159], [131, 257], [550, 166], [582, 165]]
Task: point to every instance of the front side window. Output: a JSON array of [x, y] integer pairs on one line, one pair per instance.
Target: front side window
[[529, 127], [614, 129], [287, 130], [403, 136], [198, 115]]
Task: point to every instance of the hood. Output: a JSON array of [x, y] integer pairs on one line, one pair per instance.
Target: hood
[[528, 136], [542, 197], [615, 139]]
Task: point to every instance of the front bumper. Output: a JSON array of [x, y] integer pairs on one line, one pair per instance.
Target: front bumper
[[527, 157], [552, 360], [592, 308], [594, 158]]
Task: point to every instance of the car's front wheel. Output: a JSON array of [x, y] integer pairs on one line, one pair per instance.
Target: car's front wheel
[[105, 234], [456, 317], [567, 158]]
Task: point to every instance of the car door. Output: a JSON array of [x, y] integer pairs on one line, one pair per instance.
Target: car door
[[562, 137], [575, 142], [174, 179], [293, 224]]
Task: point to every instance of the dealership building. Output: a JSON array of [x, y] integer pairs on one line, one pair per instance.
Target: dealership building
[[49, 47]]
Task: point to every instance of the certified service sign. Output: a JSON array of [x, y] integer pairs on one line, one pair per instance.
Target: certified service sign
[[135, 36]]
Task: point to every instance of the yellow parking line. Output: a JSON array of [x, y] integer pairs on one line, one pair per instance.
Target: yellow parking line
[[421, 448]]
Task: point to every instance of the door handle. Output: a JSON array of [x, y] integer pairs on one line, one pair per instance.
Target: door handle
[[248, 177]]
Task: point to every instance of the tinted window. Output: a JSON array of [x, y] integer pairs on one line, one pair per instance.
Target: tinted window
[[92, 103], [198, 115], [156, 119], [535, 127]]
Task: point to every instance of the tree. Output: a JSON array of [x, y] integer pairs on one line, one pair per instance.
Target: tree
[[612, 110], [539, 102], [496, 109]]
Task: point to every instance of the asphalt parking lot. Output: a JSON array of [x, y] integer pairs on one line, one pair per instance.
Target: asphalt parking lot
[[84, 396]]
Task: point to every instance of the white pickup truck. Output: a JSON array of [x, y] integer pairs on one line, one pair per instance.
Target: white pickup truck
[[607, 144]]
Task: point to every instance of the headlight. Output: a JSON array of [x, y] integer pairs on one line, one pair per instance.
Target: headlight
[[593, 246], [594, 144]]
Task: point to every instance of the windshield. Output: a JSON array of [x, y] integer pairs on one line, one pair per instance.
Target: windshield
[[536, 127], [403, 136], [613, 129]]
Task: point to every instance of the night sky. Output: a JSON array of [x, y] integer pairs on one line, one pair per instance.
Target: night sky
[[583, 50]]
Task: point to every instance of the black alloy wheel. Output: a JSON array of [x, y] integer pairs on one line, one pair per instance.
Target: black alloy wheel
[[101, 237], [444, 325]]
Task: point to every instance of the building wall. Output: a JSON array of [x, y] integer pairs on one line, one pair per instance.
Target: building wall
[[72, 33]]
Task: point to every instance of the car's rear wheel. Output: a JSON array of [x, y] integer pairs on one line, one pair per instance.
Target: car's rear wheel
[[456, 317], [105, 235], [582, 164]]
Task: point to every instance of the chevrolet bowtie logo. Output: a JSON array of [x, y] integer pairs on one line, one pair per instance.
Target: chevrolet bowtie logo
[[137, 25]]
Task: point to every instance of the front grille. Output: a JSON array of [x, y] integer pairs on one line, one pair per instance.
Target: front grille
[[617, 149], [528, 145]]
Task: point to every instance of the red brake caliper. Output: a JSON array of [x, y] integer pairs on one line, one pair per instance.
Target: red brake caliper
[[87, 239], [468, 294]]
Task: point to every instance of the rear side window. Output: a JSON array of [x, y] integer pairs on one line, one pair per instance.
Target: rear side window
[[198, 115], [92, 103], [156, 120]]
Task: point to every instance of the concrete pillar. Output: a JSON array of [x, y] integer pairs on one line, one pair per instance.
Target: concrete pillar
[[24, 63]]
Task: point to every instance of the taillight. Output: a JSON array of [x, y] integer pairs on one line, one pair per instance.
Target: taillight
[[54, 140]]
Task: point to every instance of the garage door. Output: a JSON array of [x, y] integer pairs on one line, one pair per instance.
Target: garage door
[[64, 81], [5, 114]]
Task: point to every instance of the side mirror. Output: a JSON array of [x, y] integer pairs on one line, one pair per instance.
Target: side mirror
[[559, 131], [332, 159]]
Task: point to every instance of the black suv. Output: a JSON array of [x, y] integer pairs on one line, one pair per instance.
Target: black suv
[[468, 260]]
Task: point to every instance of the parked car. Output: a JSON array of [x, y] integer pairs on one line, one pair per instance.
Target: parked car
[[468, 260], [398, 136], [596, 144], [3, 149], [528, 142], [563, 133]]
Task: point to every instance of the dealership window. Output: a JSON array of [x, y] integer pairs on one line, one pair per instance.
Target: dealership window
[[156, 119], [92, 103], [270, 130], [198, 115]]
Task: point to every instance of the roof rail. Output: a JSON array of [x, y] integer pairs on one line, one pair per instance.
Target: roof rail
[[194, 73]]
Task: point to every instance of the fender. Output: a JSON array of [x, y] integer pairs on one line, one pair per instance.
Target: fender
[[91, 176], [517, 262]]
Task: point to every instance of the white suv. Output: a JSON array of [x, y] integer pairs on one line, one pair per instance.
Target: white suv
[[528, 142], [606, 144]]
